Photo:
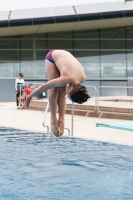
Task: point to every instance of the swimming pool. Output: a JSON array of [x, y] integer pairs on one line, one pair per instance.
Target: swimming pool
[[34, 166]]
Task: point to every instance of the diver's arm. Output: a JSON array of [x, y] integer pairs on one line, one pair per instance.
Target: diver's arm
[[54, 83], [58, 82]]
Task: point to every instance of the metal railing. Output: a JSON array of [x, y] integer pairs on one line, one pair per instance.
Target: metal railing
[[35, 85], [89, 107], [105, 99], [41, 100], [44, 119], [115, 100], [111, 100], [21, 103]]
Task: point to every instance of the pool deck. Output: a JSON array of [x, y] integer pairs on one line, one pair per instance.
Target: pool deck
[[32, 120]]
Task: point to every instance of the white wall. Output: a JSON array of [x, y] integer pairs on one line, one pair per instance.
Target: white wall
[[23, 4]]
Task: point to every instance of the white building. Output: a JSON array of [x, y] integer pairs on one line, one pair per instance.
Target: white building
[[99, 35]]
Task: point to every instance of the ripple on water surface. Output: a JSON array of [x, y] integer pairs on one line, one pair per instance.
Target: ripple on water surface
[[36, 166]]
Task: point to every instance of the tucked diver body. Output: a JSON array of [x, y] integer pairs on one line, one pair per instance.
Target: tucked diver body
[[62, 69]]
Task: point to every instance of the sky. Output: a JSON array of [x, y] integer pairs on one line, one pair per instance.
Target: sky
[[23, 4]]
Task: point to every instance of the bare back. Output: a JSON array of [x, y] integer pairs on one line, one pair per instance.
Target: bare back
[[68, 65]]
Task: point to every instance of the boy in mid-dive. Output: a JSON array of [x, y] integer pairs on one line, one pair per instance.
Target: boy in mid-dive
[[62, 69]]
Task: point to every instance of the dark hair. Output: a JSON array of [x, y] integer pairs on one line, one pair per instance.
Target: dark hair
[[79, 94], [21, 74]]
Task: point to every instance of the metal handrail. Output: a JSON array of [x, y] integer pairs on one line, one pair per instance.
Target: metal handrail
[[45, 113], [44, 119], [121, 100], [24, 84], [107, 100], [95, 104], [46, 109], [108, 105]]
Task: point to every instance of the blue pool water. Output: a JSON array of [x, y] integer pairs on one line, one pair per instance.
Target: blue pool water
[[34, 166]]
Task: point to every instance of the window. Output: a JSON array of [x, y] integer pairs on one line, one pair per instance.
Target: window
[[86, 50], [113, 52], [62, 40]]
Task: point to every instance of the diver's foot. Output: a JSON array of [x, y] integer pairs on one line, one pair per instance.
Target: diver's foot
[[61, 127], [54, 128]]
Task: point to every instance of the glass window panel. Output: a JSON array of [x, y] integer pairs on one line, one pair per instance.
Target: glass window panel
[[129, 32], [86, 44], [26, 44], [10, 49], [86, 39], [34, 69], [110, 69], [113, 60], [113, 56], [130, 56], [92, 70], [41, 51], [40, 55], [114, 41], [27, 41], [40, 36], [27, 55], [40, 44], [86, 34], [87, 56], [9, 55], [40, 69], [86, 50], [113, 33], [62, 40], [29, 69], [129, 37], [60, 35], [16, 67], [60, 44], [113, 44], [30, 36], [90, 62], [10, 43], [109, 54], [9, 69], [130, 69]]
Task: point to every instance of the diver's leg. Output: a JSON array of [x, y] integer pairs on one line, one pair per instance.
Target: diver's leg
[[61, 108], [52, 73]]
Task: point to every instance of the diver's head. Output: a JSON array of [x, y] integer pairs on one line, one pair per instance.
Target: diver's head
[[78, 93]]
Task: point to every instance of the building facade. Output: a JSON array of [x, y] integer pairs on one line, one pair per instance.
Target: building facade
[[104, 46]]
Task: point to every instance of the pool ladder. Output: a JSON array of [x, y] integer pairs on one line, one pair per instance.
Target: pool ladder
[[44, 119]]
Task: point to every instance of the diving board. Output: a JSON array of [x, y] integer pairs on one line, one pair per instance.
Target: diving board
[[121, 125]]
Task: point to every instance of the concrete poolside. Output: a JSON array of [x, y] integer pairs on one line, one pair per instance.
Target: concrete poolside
[[32, 120]]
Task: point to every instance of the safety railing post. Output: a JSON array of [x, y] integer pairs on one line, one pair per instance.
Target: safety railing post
[[20, 94], [45, 114], [72, 117]]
